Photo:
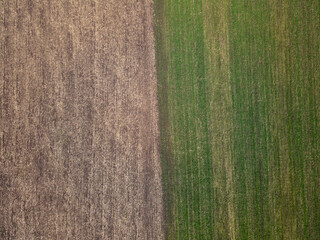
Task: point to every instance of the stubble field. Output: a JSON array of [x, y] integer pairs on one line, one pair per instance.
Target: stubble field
[[79, 121]]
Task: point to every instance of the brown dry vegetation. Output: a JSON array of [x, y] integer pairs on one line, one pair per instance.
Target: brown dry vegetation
[[79, 121]]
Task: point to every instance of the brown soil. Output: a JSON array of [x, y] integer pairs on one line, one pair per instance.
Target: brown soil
[[79, 121]]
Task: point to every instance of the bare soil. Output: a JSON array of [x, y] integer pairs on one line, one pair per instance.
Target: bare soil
[[79, 121]]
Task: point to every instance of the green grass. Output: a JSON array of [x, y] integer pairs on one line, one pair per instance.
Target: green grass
[[239, 105]]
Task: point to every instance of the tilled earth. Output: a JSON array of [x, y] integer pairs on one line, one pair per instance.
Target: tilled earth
[[79, 121]]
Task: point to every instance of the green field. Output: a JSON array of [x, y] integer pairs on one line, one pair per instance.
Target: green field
[[239, 100]]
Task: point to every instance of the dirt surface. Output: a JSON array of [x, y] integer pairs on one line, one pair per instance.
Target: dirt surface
[[79, 121]]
